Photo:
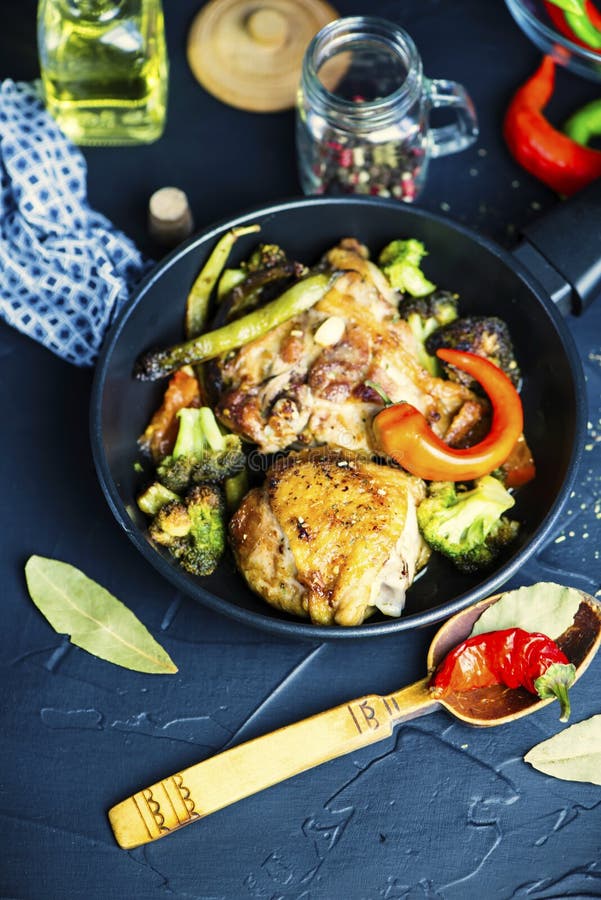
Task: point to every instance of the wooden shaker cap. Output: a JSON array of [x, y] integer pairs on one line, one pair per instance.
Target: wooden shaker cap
[[250, 55]]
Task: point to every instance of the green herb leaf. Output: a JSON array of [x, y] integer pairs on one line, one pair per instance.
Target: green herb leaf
[[544, 607], [94, 619], [572, 755]]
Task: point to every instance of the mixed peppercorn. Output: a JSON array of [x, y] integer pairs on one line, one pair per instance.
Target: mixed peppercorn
[[347, 166]]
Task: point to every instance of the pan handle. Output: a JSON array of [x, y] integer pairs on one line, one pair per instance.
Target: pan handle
[[563, 250]]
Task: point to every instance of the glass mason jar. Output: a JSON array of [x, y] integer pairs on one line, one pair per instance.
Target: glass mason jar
[[104, 68], [362, 123]]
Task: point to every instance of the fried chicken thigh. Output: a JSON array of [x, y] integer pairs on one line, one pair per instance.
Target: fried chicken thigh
[[330, 536]]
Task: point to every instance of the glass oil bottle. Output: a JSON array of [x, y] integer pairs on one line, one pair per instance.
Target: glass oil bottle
[[104, 69]]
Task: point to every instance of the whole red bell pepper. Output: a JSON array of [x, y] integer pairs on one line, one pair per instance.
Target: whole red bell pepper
[[544, 151]]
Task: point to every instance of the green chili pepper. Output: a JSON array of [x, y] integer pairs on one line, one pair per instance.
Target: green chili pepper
[[585, 123], [584, 29], [571, 6]]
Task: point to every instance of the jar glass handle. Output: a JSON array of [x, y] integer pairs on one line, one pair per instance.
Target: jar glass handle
[[460, 134]]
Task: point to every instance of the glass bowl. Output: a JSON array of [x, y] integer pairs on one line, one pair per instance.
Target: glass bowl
[[533, 19]]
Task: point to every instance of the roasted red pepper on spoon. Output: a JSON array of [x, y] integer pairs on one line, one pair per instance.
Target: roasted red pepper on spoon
[[403, 433], [513, 657], [544, 151]]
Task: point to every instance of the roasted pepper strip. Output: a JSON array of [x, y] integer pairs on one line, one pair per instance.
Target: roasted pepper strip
[[513, 657], [403, 433], [519, 468], [159, 436], [553, 157]]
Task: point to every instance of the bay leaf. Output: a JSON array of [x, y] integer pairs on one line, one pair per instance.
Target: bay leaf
[[544, 607], [94, 619], [573, 754]]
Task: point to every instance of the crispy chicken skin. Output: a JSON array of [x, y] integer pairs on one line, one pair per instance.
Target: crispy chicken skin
[[288, 389], [330, 536]]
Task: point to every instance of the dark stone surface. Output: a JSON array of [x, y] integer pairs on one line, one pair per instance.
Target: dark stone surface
[[440, 810]]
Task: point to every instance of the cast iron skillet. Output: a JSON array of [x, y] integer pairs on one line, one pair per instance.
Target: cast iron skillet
[[489, 280]]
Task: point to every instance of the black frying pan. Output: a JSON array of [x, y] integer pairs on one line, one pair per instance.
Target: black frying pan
[[519, 287]]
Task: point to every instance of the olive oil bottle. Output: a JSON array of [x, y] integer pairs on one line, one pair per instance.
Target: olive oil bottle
[[104, 69]]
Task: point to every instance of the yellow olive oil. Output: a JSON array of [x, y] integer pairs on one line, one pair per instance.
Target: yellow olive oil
[[104, 69]]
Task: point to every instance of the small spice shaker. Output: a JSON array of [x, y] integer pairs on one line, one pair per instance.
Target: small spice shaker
[[363, 106]]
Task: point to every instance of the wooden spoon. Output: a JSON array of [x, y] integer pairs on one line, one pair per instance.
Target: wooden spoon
[[236, 773]]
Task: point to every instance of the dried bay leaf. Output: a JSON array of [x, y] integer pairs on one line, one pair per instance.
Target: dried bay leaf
[[544, 607], [573, 754], [94, 619]]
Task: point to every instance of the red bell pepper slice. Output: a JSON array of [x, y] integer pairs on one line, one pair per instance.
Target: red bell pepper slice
[[403, 433]]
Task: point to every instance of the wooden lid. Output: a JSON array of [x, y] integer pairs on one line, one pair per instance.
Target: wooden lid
[[249, 54]]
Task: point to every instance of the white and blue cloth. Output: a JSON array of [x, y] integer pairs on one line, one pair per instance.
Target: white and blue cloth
[[65, 271]]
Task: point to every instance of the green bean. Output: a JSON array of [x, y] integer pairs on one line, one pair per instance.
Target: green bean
[[153, 365], [197, 306], [229, 279], [248, 293]]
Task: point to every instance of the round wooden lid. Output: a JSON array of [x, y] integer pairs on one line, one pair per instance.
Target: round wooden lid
[[249, 54]]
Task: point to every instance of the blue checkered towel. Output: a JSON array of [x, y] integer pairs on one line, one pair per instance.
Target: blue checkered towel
[[64, 269]]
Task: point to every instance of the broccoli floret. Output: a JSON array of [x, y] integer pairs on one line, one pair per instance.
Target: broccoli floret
[[235, 488], [504, 532], [175, 473], [266, 256], [154, 497], [486, 336], [171, 524], [201, 452], [401, 263], [207, 530], [468, 527], [425, 315], [193, 529]]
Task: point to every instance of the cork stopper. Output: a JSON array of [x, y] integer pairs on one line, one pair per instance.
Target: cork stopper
[[250, 55], [169, 216]]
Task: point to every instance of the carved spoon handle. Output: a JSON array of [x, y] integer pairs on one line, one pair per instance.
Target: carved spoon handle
[[244, 770]]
